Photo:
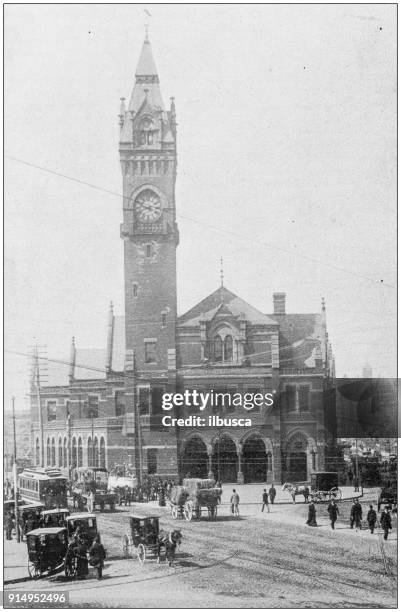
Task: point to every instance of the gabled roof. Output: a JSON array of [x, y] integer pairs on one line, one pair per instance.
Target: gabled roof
[[207, 309]]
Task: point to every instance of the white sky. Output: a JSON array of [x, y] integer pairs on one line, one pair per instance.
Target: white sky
[[287, 140]]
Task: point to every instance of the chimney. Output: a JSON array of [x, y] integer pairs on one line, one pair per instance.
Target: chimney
[[279, 303]]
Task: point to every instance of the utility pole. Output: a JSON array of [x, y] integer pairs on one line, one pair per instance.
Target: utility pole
[[93, 442], [356, 466], [15, 477], [42, 458]]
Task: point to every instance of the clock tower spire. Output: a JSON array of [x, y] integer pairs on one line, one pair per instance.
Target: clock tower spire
[[148, 163]]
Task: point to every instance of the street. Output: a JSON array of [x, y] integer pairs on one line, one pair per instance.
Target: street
[[258, 560]]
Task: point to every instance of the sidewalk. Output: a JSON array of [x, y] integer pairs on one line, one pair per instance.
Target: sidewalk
[[252, 494], [15, 560]]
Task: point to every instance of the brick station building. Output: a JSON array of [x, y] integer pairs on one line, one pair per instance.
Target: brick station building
[[105, 407]]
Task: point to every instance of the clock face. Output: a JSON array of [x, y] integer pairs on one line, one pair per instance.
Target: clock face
[[148, 206]]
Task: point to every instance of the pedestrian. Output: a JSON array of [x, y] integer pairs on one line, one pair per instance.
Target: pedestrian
[[82, 560], [371, 518], [356, 515], [311, 515], [218, 486], [234, 501], [265, 501], [97, 555], [8, 525], [333, 511], [272, 494], [385, 521], [91, 501]]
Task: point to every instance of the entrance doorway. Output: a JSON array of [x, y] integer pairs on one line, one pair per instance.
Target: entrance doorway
[[225, 460], [194, 460], [254, 460]]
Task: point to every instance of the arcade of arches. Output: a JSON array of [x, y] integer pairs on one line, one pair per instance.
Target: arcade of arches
[[250, 460]]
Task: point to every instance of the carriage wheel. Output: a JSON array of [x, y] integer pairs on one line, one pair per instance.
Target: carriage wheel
[[174, 512], [188, 511], [141, 552], [125, 546], [33, 570]]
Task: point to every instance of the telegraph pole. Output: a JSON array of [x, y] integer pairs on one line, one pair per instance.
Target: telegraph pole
[[42, 458], [93, 442], [15, 477]]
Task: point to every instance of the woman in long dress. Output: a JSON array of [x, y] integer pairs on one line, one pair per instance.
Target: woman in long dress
[[311, 515]]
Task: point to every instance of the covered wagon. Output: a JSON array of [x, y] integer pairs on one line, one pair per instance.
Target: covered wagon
[[193, 496]]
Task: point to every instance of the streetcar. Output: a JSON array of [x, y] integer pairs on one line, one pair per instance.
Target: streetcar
[[43, 485]]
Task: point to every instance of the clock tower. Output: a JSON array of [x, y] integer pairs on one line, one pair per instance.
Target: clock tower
[[149, 230]]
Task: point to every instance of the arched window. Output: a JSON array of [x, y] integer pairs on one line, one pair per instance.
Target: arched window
[[60, 453], [90, 452], [74, 453], [48, 452], [65, 452], [37, 452], [79, 452], [53, 452], [228, 348], [218, 349], [96, 453], [102, 453]]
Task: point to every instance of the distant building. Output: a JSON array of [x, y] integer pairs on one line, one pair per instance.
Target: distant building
[[112, 413], [367, 371]]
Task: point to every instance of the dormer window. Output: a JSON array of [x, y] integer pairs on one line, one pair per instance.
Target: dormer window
[[228, 348], [223, 346]]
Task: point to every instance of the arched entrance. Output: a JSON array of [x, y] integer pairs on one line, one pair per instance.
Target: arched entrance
[[296, 461], [254, 460], [194, 461], [224, 459]]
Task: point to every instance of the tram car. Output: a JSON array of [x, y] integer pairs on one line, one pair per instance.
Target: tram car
[[47, 548], [43, 485]]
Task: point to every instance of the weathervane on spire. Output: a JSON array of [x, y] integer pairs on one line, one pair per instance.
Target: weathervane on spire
[[147, 25], [221, 272]]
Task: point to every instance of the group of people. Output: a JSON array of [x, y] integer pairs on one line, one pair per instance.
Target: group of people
[[271, 495], [84, 556], [149, 491], [355, 517]]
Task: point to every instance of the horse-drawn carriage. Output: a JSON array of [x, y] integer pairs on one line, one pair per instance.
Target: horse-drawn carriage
[[81, 529], [193, 496], [388, 496], [146, 539], [55, 518], [47, 548], [324, 487]]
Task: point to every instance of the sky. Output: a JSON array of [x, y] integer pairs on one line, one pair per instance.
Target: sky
[[286, 166]]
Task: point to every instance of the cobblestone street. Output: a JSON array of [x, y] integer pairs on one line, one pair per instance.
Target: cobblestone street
[[259, 560]]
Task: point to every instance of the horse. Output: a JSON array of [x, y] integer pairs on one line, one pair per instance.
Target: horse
[[294, 490], [169, 540]]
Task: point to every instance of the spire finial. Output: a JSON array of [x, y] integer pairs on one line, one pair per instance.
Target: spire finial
[[147, 25], [221, 273]]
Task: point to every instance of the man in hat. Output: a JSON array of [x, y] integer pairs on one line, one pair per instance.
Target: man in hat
[[385, 521]]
